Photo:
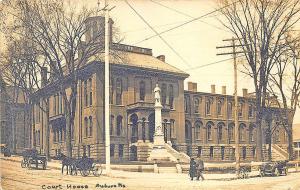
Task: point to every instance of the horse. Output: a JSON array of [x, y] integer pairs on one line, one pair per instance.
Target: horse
[[68, 162]]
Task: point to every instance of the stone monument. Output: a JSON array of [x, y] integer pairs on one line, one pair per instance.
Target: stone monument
[[159, 153]]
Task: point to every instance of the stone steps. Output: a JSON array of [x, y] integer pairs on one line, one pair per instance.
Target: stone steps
[[167, 170]]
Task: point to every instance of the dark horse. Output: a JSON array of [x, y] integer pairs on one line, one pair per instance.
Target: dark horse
[[82, 164], [68, 162]]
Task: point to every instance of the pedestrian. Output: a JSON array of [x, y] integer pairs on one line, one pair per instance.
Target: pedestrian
[[192, 168], [200, 167]]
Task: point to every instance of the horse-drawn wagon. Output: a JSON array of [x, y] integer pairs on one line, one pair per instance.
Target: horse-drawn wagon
[[31, 159]]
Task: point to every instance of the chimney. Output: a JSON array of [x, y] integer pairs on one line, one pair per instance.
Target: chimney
[[190, 86], [161, 57], [213, 88], [224, 90], [44, 76], [195, 87], [245, 92]]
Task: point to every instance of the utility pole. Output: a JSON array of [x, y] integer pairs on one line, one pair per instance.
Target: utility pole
[[236, 119]]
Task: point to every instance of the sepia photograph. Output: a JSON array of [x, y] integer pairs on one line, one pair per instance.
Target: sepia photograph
[[150, 94]]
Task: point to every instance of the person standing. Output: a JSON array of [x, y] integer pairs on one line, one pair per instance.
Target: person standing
[[192, 169], [200, 167]]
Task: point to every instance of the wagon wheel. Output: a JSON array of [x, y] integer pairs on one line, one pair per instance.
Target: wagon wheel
[[44, 164], [286, 171], [23, 164], [97, 170], [30, 162], [261, 173], [276, 172], [84, 172]]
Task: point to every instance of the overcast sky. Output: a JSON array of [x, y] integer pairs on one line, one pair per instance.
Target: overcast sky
[[195, 42]]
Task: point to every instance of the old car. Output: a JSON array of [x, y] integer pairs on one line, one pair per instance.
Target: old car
[[275, 168]]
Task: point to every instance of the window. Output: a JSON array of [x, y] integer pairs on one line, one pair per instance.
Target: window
[[220, 132], [244, 152], [89, 150], [187, 104], [208, 107], [90, 92], [230, 109], [171, 96], [121, 150], [222, 152], [251, 133], [253, 151], [54, 104], [119, 125], [142, 90], [208, 126], [86, 126], [251, 110], [112, 150], [38, 113], [111, 91], [211, 152], [119, 91], [91, 126], [57, 103], [276, 135], [200, 150], [230, 131], [60, 103], [112, 118], [197, 130], [196, 105], [219, 107], [241, 109], [164, 94], [85, 93], [54, 136], [242, 132], [172, 132]]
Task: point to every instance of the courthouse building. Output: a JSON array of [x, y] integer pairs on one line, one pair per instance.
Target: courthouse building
[[194, 122]]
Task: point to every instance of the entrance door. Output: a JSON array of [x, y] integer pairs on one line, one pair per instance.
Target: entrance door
[[151, 126]]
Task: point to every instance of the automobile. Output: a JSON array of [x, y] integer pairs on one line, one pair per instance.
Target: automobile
[[275, 168]]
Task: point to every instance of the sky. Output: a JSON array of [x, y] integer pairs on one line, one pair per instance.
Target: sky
[[195, 43]]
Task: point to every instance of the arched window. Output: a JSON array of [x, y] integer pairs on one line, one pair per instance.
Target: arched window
[[220, 131], [90, 92], [242, 132], [119, 125], [196, 105], [188, 131], [251, 110], [187, 104], [112, 118], [171, 96], [219, 107], [208, 131], [231, 131], [164, 94], [142, 90], [119, 91], [85, 93], [86, 126], [197, 130], [208, 106], [241, 106], [229, 109], [91, 126], [172, 132], [111, 91], [251, 133]]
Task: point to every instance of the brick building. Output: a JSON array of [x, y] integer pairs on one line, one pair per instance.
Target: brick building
[[194, 122]]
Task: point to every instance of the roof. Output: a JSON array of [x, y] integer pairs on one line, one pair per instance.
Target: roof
[[138, 60], [296, 132]]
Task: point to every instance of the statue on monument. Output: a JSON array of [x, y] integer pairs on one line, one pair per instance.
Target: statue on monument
[[157, 94]]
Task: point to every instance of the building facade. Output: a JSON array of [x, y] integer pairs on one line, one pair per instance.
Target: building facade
[[194, 122]]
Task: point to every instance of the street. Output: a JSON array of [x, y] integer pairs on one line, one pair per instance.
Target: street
[[14, 177]]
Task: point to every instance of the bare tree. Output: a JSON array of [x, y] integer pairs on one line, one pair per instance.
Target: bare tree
[[260, 25], [284, 83], [58, 31]]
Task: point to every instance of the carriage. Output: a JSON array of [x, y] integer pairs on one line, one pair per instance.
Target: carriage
[[85, 166], [31, 159]]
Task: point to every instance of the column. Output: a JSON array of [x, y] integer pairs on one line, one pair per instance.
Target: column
[[147, 130], [129, 126], [140, 131]]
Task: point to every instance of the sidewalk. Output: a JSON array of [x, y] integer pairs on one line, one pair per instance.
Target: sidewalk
[[55, 164]]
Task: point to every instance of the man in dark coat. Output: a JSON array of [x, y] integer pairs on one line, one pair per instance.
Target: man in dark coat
[[200, 167], [192, 168]]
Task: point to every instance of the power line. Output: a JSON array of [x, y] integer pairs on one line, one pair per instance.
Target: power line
[[157, 34], [213, 63], [187, 15], [185, 23]]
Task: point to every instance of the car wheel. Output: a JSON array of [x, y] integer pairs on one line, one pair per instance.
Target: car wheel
[[276, 172]]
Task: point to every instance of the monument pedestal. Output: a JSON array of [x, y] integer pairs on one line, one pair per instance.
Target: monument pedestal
[[159, 152]]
